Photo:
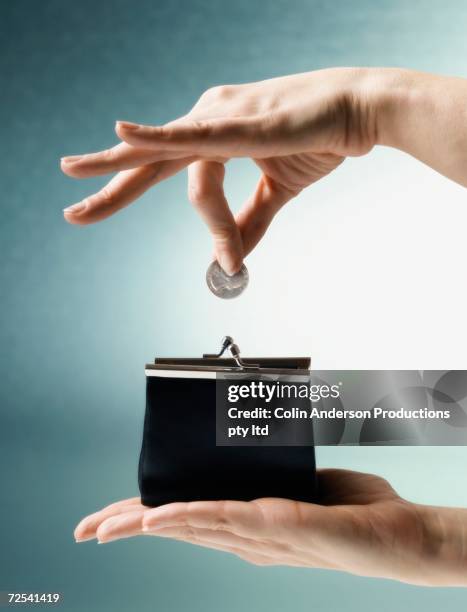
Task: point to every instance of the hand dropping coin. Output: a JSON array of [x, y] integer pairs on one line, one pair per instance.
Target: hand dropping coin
[[223, 285]]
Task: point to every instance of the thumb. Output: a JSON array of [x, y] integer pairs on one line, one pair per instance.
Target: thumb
[[260, 209]]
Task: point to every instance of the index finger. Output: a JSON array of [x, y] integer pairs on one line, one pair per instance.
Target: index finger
[[256, 136]]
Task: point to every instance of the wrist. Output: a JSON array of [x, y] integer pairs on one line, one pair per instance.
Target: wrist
[[444, 557], [422, 114], [383, 103], [397, 97]]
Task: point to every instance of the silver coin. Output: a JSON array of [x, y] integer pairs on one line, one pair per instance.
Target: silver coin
[[223, 285]]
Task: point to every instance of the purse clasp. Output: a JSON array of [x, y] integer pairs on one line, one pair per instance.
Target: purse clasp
[[229, 344]]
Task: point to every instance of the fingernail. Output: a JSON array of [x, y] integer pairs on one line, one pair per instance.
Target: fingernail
[[75, 208], [83, 539], [105, 540], [127, 125], [70, 159]]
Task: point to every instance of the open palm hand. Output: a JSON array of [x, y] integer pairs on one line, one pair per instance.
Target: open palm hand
[[361, 526]]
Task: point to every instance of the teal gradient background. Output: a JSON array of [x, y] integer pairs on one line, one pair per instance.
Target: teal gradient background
[[82, 309]]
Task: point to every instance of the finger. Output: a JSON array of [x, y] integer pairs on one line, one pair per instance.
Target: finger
[[259, 211], [229, 136], [220, 537], [126, 525], [123, 189], [224, 538], [120, 157], [124, 502], [86, 529], [205, 542], [281, 520], [206, 193], [241, 518], [288, 553]]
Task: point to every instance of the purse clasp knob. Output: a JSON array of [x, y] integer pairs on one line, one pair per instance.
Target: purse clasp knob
[[229, 344]]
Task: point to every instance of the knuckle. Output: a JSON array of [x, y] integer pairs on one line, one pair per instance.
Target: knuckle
[[225, 233], [218, 92], [88, 203], [224, 92], [108, 155], [221, 522], [202, 128], [106, 197], [164, 132]]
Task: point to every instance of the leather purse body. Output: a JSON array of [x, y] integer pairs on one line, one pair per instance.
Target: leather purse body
[[179, 458]]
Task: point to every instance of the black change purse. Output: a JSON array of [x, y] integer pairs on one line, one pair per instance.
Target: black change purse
[[180, 460]]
